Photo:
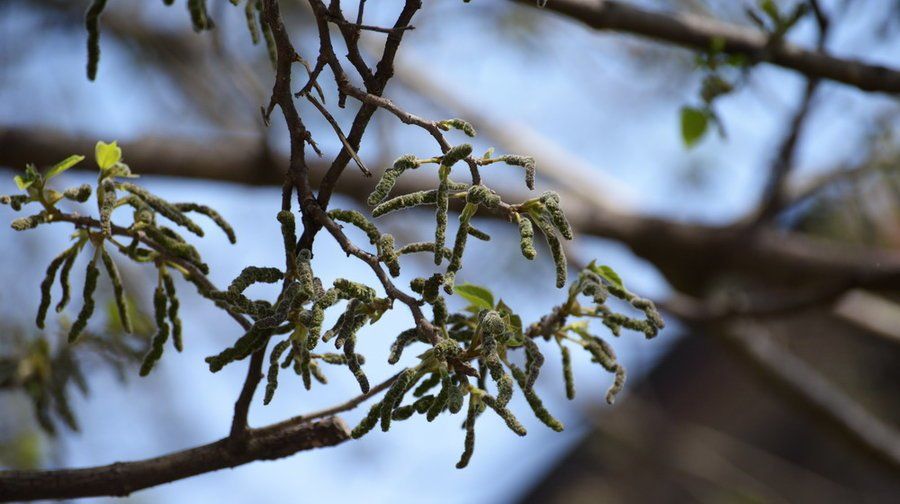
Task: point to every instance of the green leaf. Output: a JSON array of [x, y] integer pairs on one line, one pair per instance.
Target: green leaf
[[21, 183], [693, 125], [769, 7], [478, 296], [513, 322], [107, 154], [63, 166], [607, 274]]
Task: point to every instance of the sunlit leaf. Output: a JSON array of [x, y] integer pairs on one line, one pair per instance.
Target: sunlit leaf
[[107, 154], [63, 166], [693, 125], [478, 296]]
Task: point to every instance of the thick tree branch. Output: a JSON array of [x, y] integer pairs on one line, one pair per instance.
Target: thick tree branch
[[123, 478], [698, 33]]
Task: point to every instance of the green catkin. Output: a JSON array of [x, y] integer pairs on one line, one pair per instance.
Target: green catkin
[[388, 255], [477, 233], [174, 304], [526, 162], [394, 395], [272, 375], [163, 207], [459, 246], [354, 364], [459, 124], [90, 284], [162, 331], [440, 401], [212, 215], [469, 445], [427, 384], [359, 220], [492, 327], [618, 384], [347, 289], [417, 247], [251, 20], [551, 202], [535, 402], [443, 203], [368, 422], [526, 237], [404, 339], [92, 24], [64, 278], [503, 412], [270, 41], [455, 402], [384, 186], [251, 275], [556, 250], [47, 283], [289, 236], [567, 371], [199, 15], [305, 274], [405, 201], [456, 154], [118, 291], [300, 345], [106, 201], [535, 359], [80, 194], [30, 222], [317, 373]]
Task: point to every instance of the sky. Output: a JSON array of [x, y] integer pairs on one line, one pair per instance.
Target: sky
[[580, 89]]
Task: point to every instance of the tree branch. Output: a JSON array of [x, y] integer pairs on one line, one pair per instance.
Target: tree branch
[[698, 33], [123, 478]]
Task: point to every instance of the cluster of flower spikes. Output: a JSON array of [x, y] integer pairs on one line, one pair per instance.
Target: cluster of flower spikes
[[170, 250], [299, 312], [486, 332]]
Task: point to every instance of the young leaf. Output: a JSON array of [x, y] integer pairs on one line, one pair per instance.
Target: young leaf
[[63, 166], [694, 123], [607, 274], [478, 296], [107, 154]]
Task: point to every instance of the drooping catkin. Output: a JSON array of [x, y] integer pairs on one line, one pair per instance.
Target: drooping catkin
[[199, 15], [394, 395], [469, 444], [567, 371], [30, 222], [405, 201], [162, 331], [348, 289], [64, 278], [270, 41], [90, 285], [442, 203], [118, 291], [556, 250], [251, 275], [163, 207], [440, 401], [427, 384], [251, 20], [417, 247], [174, 304], [537, 405], [526, 162], [551, 203], [534, 361], [212, 215], [503, 412], [353, 362], [384, 186], [272, 375], [289, 237], [477, 233], [92, 24], [526, 237], [47, 284], [367, 423], [359, 220], [403, 340], [617, 385]]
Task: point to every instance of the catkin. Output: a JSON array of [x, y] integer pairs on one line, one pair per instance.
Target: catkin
[[526, 237], [442, 202], [163, 207], [80, 193], [394, 395], [367, 423], [551, 203], [118, 291], [251, 20], [534, 401], [359, 220], [469, 445], [567, 371], [90, 284], [212, 215], [47, 284], [92, 24], [162, 331], [174, 305], [405, 201], [272, 375], [64, 278], [106, 199]]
